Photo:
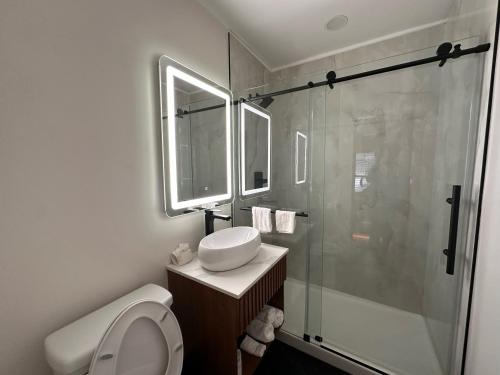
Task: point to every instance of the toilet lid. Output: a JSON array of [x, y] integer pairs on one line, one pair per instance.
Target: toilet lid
[[144, 339]]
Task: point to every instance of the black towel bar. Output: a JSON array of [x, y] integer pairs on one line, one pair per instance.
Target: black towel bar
[[273, 210]]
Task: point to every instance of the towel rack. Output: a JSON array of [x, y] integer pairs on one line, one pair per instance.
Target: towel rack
[[273, 210]]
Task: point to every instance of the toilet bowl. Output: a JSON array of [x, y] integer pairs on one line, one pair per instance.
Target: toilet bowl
[[136, 334]]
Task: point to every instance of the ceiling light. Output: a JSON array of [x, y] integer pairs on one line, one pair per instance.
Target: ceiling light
[[337, 23]]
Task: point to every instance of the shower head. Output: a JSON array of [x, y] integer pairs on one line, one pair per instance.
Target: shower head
[[266, 102]]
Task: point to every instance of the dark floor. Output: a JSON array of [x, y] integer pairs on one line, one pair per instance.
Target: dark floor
[[282, 359]]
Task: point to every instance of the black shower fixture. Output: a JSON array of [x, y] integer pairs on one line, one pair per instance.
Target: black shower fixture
[[330, 78], [266, 102]]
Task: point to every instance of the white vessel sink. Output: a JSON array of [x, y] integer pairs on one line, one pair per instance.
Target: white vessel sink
[[229, 248]]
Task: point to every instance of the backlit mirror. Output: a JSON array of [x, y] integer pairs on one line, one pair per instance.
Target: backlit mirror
[[255, 149], [196, 140]]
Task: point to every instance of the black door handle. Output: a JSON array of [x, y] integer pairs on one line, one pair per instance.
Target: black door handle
[[453, 230]]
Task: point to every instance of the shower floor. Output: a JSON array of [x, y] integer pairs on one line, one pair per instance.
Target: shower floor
[[376, 334]]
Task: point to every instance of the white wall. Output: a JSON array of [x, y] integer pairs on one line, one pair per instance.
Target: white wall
[[80, 201]]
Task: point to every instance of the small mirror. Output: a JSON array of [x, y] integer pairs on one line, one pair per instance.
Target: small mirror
[[196, 135], [300, 158], [255, 149]]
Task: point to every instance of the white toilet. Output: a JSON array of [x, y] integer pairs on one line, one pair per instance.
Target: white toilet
[[135, 335]]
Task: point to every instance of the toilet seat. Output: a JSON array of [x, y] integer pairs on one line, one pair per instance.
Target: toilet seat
[[144, 338]]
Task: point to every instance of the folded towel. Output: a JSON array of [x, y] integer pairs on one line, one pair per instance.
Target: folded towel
[[278, 315], [252, 347], [260, 331], [285, 221], [181, 255], [261, 219], [267, 315], [183, 246], [280, 318]]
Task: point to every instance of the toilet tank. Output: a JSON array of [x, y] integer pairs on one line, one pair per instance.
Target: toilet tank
[[69, 350]]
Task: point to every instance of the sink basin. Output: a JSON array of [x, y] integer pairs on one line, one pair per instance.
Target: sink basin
[[229, 248]]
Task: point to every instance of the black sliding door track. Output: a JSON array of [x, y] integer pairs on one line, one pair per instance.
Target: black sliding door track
[[444, 52]]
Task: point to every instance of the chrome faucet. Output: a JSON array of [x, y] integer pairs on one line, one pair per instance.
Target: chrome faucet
[[210, 217]]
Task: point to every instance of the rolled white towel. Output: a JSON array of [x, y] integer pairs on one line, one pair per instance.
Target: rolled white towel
[[267, 315], [183, 246], [181, 255], [278, 315], [260, 331], [252, 347], [280, 318]]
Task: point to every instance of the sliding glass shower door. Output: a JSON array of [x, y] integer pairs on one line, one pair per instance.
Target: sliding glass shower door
[[392, 166]]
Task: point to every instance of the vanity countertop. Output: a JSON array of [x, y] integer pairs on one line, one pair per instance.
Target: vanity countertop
[[234, 282]]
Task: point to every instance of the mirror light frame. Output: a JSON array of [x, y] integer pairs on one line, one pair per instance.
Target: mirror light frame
[[304, 137], [244, 106], [172, 71]]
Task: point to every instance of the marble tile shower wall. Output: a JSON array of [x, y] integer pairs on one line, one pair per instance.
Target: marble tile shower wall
[[305, 111], [371, 152], [290, 114], [248, 75], [379, 147], [387, 123]]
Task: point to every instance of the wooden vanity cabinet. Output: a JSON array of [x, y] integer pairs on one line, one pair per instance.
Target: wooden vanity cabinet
[[213, 323]]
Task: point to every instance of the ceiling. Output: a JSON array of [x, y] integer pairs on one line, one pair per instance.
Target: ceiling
[[286, 32]]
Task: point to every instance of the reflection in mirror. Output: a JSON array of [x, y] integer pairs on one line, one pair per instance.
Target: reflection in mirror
[[196, 134], [255, 149], [300, 158]]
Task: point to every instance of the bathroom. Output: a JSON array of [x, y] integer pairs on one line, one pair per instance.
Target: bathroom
[[377, 140]]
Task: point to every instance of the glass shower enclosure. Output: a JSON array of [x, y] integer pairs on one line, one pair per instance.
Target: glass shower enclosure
[[384, 168], [389, 199]]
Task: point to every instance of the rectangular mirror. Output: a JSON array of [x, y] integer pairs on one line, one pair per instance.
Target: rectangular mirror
[[300, 158], [196, 140], [255, 149]]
